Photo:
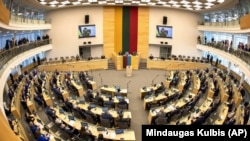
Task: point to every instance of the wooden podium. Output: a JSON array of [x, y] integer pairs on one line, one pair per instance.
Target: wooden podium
[[129, 71]]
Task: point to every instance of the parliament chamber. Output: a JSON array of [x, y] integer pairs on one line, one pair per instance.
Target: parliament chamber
[[60, 86]]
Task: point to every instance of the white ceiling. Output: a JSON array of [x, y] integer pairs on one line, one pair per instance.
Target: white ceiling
[[201, 6]]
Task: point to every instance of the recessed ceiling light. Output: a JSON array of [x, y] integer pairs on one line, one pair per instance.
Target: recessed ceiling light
[[210, 0], [221, 1], [185, 2], [197, 2]]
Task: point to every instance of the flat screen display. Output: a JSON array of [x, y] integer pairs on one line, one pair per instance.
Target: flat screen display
[[86, 31], [164, 31]]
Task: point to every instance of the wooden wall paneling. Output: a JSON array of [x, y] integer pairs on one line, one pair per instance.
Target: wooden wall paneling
[[245, 22], [143, 31], [5, 14], [108, 31]]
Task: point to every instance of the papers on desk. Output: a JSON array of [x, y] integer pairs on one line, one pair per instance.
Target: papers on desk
[[39, 125], [71, 122], [171, 107], [51, 137], [127, 100]]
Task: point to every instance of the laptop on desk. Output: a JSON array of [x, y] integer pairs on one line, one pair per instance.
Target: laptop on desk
[[119, 131], [101, 128], [71, 117], [119, 97], [104, 109], [61, 111], [84, 124], [108, 95], [92, 105], [81, 102]]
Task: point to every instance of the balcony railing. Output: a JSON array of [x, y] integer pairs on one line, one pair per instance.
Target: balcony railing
[[23, 20], [6, 55], [242, 54], [234, 23]]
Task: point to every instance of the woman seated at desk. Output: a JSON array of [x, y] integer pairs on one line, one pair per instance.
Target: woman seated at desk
[[29, 117], [85, 134]]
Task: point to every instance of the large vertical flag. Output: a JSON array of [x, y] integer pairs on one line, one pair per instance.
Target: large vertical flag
[[126, 30], [126, 26]]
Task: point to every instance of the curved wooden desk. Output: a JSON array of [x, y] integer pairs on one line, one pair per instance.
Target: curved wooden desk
[[98, 110], [175, 64], [108, 134], [171, 107], [113, 91], [144, 91], [202, 109], [75, 66], [196, 83], [160, 97]]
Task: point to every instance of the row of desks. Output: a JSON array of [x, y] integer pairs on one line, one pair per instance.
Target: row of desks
[[202, 109], [171, 106], [75, 66], [160, 97], [108, 134]]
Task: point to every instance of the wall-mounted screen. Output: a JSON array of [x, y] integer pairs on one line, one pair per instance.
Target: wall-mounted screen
[[164, 31], [85, 31]]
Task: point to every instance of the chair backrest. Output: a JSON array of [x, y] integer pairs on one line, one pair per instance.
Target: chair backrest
[[105, 122], [90, 119], [161, 121], [122, 106], [95, 101], [108, 105], [86, 98], [122, 125]]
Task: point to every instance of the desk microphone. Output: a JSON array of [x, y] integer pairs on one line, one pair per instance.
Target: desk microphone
[[154, 79]]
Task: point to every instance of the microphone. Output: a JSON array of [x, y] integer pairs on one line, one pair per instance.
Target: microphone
[[167, 70], [154, 79], [128, 84]]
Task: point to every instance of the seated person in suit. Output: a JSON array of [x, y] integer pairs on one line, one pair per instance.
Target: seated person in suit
[[110, 103], [68, 129], [29, 117], [198, 120], [122, 101], [43, 137], [122, 119], [161, 113], [230, 121], [39, 100], [51, 112], [93, 115], [36, 131], [85, 134], [89, 94], [58, 121], [107, 115], [68, 105], [100, 137], [216, 90], [161, 88], [151, 57], [99, 99], [175, 81]]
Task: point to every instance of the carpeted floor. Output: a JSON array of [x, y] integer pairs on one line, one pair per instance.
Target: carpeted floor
[[133, 83]]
